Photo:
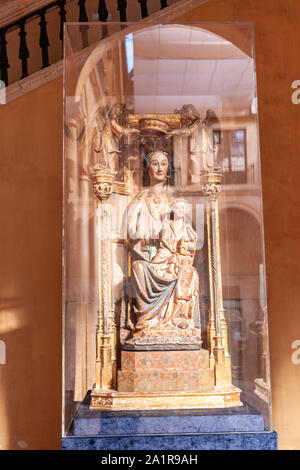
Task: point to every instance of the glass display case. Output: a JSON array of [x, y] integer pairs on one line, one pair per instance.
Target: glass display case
[[165, 310]]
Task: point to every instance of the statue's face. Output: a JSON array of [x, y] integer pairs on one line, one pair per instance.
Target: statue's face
[[189, 113], [179, 209], [118, 110], [158, 168]]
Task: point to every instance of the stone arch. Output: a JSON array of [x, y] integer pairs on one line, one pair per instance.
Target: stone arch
[[241, 233], [248, 207]]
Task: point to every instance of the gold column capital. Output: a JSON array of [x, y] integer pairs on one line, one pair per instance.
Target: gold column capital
[[103, 182], [212, 183]]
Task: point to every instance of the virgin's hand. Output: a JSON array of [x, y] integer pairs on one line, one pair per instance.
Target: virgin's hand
[[131, 130]]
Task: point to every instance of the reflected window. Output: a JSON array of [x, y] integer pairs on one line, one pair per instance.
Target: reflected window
[[232, 154], [129, 52]]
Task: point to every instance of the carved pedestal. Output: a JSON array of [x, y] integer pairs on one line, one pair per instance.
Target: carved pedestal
[[112, 400], [154, 380], [165, 371]]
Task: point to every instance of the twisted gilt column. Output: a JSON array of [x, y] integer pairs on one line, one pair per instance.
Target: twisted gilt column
[[211, 327], [217, 327], [106, 331]]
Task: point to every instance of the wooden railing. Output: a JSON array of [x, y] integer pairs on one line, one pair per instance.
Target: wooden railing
[[40, 15]]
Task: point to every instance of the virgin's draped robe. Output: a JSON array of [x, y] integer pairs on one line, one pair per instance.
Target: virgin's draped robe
[[164, 282]]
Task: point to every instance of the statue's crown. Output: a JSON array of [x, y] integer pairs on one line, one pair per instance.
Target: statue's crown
[[153, 126]]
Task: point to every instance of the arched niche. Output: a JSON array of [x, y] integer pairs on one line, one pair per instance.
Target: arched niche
[[161, 61]]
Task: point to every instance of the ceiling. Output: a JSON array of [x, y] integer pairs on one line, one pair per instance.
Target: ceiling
[[172, 65]]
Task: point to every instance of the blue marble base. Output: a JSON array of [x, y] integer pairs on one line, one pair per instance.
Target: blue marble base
[[205, 429], [94, 422], [206, 441]]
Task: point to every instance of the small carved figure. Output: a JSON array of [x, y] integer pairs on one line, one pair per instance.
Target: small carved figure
[[175, 258], [111, 127], [202, 155]]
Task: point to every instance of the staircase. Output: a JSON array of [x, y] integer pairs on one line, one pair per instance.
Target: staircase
[[31, 34]]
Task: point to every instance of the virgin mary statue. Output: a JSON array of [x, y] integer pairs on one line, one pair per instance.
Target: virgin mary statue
[[164, 282]]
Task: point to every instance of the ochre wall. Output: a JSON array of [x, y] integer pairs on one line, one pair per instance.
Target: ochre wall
[[30, 269], [31, 195]]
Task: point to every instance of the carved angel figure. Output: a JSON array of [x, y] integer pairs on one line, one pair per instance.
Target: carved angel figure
[[111, 126], [202, 157]]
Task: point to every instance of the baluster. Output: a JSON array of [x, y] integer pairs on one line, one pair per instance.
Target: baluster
[[82, 12], [163, 4], [62, 13], [102, 11], [44, 42], [4, 65], [122, 5], [83, 18], [103, 15], [144, 9], [23, 49]]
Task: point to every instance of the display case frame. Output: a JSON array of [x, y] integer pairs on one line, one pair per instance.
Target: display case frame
[[110, 114]]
